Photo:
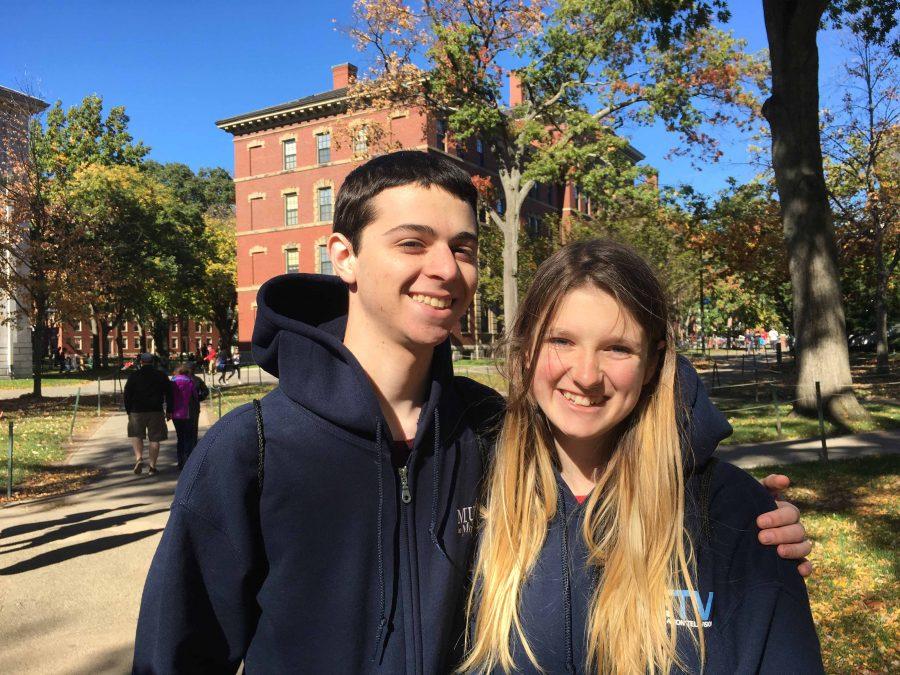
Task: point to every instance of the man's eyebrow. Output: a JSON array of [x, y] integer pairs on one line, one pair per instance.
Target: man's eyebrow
[[465, 238], [412, 227], [461, 237]]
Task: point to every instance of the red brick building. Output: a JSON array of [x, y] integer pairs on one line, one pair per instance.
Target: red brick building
[[184, 336], [289, 162]]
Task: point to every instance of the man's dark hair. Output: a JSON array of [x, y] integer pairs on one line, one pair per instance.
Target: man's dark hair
[[353, 209]]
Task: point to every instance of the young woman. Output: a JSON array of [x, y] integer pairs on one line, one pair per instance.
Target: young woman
[[185, 411], [610, 542]]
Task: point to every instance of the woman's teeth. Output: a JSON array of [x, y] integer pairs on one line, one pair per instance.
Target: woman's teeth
[[583, 401], [433, 302]]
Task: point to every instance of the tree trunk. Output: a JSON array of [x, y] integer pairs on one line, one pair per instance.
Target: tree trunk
[[510, 180], [95, 341], [161, 339], [792, 113], [882, 362], [37, 347]]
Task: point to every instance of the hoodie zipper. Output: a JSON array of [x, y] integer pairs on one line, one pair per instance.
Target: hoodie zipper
[[405, 494]]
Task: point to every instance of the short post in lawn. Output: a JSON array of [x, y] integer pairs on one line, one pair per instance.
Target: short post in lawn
[[74, 413], [777, 410], [823, 453], [9, 463], [259, 370], [219, 392]]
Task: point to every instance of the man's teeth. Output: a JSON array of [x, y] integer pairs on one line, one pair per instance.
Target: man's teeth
[[429, 300], [579, 400]]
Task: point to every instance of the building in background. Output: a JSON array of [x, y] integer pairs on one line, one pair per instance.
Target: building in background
[[289, 163], [15, 332]]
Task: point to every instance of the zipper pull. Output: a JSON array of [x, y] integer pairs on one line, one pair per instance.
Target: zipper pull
[[405, 495]]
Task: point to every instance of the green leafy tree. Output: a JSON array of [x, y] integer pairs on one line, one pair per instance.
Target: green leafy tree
[[43, 158], [792, 111], [585, 68], [218, 287]]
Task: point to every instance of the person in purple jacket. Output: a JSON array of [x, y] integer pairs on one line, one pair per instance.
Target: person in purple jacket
[[185, 404]]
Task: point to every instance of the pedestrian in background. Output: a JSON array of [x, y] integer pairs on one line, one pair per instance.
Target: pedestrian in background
[[148, 402], [185, 411]]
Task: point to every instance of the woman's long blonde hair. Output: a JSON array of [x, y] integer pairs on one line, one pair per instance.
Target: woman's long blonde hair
[[634, 517]]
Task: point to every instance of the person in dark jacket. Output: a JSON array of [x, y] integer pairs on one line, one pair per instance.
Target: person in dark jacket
[[148, 402], [185, 411], [609, 544], [347, 550]]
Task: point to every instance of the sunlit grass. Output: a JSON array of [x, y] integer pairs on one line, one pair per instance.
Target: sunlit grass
[[851, 510]]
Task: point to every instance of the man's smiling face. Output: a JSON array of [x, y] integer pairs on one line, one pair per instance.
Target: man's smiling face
[[415, 272]]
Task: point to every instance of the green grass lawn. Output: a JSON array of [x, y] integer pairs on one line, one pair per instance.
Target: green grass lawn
[[851, 510], [40, 443], [756, 422], [235, 396], [54, 380]]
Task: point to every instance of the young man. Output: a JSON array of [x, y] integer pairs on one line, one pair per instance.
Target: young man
[[148, 402], [352, 556]]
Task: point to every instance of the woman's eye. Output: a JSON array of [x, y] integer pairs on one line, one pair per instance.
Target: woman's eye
[[620, 349], [557, 341]]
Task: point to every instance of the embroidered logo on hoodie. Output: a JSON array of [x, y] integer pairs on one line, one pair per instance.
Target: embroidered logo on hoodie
[[685, 613], [465, 520]]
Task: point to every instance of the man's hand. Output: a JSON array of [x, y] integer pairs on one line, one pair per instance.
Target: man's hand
[[782, 527]]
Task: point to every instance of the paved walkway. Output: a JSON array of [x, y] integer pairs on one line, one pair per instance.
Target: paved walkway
[[792, 452], [72, 568]]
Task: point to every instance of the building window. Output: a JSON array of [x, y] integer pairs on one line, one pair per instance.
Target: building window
[[291, 260], [323, 148], [255, 271], [324, 260], [324, 203], [174, 327], [289, 153], [76, 342], [533, 226], [290, 209], [479, 148], [442, 134], [361, 141], [464, 323], [135, 343], [174, 343], [76, 326], [209, 328]]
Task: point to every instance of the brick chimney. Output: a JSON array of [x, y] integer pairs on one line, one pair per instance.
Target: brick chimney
[[342, 75], [516, 96]]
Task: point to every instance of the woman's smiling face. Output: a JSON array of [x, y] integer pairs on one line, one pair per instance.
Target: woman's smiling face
[[591, 368]]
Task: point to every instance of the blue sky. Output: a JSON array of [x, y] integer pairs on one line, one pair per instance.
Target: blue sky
[[177, 67]]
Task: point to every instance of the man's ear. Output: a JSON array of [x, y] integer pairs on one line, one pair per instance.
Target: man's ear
[[343, 259]]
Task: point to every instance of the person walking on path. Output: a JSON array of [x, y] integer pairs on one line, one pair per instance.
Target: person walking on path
[[211, 360], [185, 412], [146, 392]]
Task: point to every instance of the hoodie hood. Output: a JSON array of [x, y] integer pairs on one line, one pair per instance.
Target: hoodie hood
[[298, 338], [703, 425]]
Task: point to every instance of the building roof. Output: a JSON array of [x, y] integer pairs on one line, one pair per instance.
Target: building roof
[[310, 107], [285, 113], [34, 105]]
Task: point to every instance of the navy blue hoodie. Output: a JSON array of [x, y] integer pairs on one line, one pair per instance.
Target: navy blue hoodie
[[753, 604], [336, 566]]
